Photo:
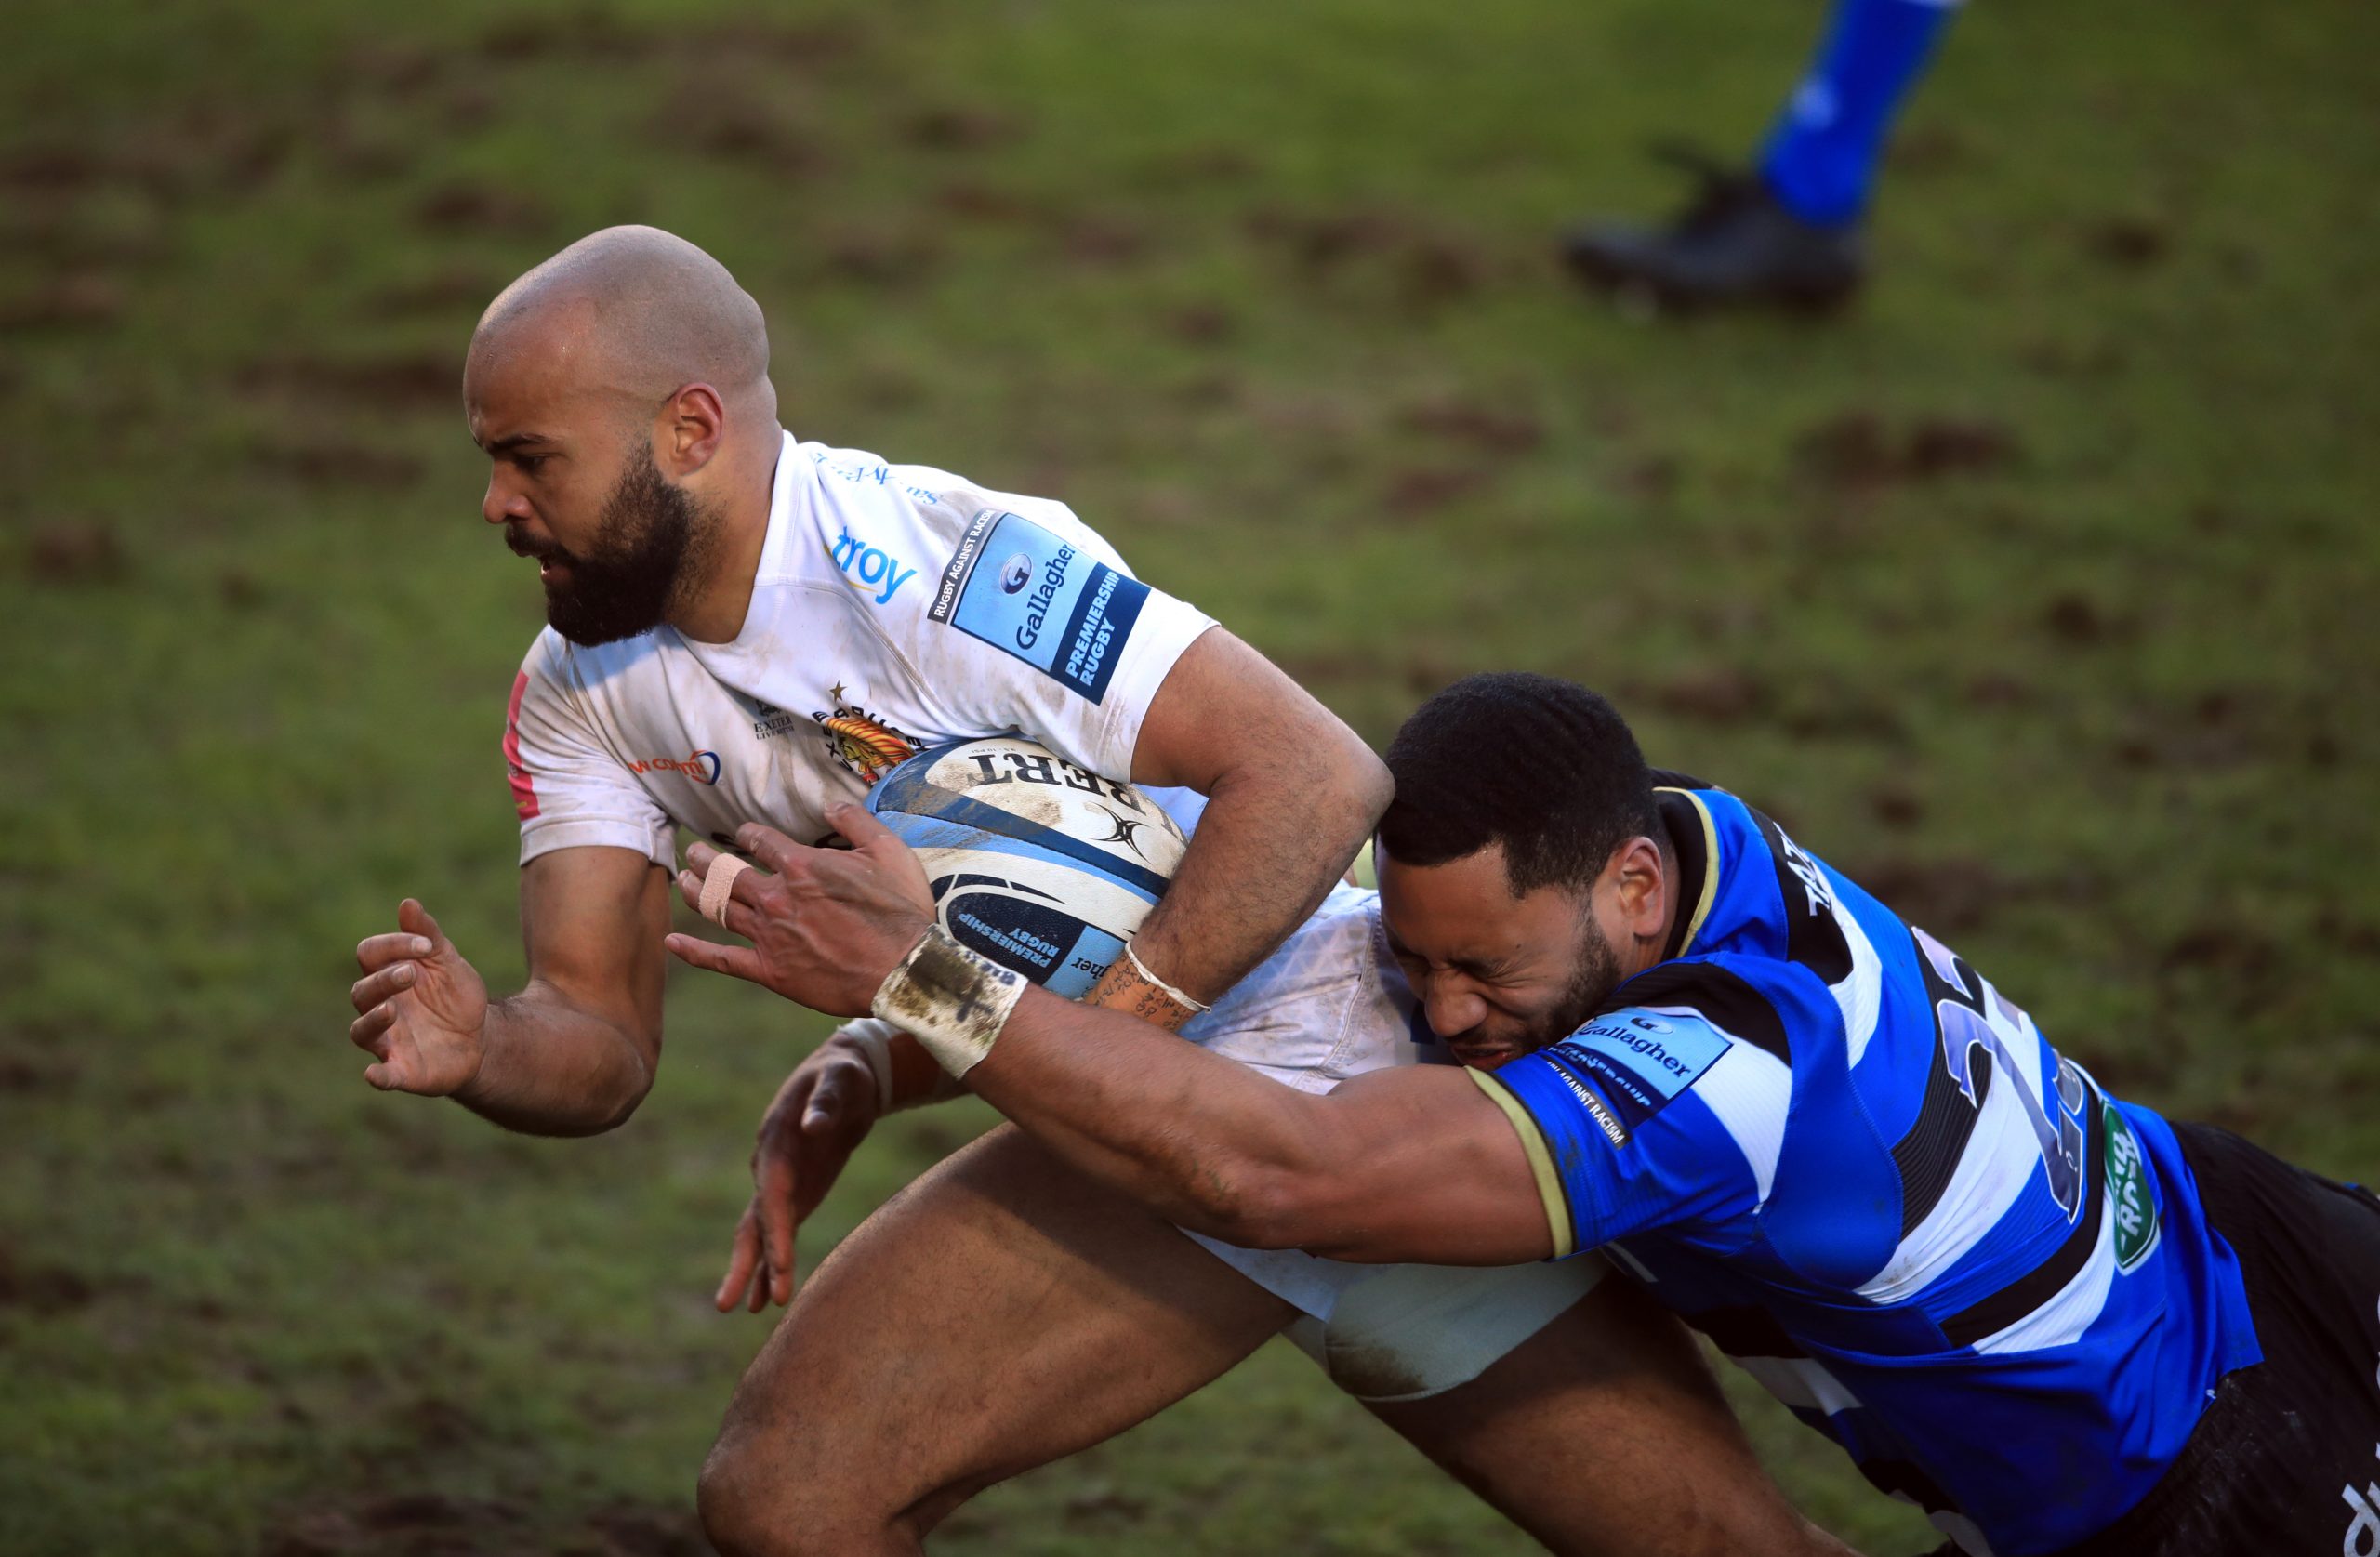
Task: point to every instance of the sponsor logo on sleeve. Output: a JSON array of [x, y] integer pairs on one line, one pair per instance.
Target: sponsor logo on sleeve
[[1614, 1130], [1638, 1061], [1067, 614]]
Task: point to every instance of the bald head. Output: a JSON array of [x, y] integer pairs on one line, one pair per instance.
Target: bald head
[[631, 312], [621, 391]]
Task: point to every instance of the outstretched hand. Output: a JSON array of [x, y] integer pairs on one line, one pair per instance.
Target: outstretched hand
[[827, 925], [420, 1007]]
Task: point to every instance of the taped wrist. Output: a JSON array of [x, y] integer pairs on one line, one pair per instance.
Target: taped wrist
[[873, 1037], [950, 1000], [874, 1040]]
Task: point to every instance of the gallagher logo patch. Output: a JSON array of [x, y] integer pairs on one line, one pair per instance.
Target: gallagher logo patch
[[1639, 1061], [1065, 613]]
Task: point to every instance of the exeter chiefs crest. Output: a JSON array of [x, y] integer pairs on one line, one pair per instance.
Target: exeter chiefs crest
[[861, 742]]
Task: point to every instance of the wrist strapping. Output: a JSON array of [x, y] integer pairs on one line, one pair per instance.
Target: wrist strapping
[[874, 1040], [873, 1037], [949, 998], [1194, 1007]]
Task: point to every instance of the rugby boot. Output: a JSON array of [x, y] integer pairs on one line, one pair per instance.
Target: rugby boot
[[1734, 243]]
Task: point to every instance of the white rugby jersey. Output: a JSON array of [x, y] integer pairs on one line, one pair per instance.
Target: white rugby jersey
[[1329, 1004], [896, 607]]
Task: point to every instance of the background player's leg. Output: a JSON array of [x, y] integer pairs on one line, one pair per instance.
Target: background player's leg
[[1821, 158], [1604, 1432], [999, 1314]]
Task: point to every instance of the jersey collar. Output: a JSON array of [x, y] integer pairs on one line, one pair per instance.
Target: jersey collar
[[789, 496], [1694, 838]]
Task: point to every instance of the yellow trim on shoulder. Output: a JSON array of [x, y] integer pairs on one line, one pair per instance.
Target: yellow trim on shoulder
[[1710, 868], [1540, 1161]]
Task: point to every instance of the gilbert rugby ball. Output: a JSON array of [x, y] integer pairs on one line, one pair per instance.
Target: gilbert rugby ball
[[1035, 863]]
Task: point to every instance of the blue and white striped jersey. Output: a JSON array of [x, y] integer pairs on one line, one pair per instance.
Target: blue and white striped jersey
[[1831, 1144]]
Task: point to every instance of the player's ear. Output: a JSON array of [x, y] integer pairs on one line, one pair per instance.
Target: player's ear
[[1642, 887], [691, 423]]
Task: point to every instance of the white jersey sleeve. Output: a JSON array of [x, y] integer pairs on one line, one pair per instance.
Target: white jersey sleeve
[[1018, 617], [571, 791]]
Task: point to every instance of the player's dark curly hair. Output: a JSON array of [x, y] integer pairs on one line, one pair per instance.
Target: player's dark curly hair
[[1543, 766]]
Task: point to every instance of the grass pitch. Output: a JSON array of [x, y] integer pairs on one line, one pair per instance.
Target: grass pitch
[[2037, 593]]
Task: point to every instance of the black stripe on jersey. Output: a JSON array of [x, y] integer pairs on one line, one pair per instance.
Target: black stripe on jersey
[[1928, 1156], [1813, 937], [1899, 1478], [1667, 778], [1745, 1332], [1730, 1003], [1992, 1314]]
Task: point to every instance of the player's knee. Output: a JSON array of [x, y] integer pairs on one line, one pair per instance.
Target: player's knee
[[724, 1497], [761, 1499]]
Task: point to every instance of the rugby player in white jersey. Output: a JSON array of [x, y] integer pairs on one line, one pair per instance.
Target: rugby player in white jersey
[[746, 627]]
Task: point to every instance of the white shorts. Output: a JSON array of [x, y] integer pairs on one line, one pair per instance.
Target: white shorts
[[1329, 1005], [1407, 1332]]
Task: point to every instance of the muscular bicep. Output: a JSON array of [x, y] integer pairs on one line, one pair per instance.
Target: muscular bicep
[[1292, 793], [1416, 1162], [1224, 708], [593, 919]]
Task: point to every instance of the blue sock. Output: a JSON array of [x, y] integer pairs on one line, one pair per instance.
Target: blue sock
[[1821, 157]]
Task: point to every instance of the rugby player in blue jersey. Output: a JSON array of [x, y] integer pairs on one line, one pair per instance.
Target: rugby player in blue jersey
[[2055, 1320]]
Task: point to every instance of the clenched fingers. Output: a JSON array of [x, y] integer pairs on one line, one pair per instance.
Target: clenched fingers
[[370, 1030], [375, 989]]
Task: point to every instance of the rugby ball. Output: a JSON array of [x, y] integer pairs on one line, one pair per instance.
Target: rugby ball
[[1037, 863]]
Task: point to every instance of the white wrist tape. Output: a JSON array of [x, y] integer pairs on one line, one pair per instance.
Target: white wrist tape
[[719, 884], [1179, 998], [950, 1000], [873, 1038]]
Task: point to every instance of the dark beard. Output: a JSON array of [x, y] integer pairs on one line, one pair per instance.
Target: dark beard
[[1591, 981], [630, 575]]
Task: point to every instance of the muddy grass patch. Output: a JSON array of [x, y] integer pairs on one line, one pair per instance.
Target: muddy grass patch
[[1861, 449], [415, 381], [1949, 896]]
